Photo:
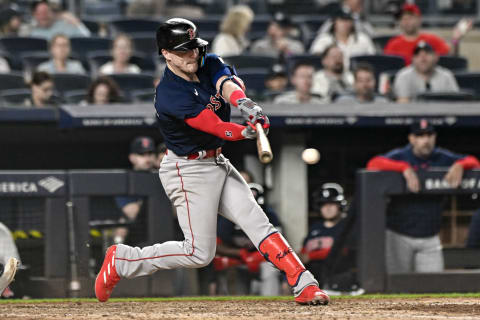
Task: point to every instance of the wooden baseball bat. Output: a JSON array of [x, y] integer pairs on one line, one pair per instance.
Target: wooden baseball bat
[[265, 154]]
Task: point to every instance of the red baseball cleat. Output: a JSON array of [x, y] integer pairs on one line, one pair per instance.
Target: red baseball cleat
[[312, 295], [108, 277]]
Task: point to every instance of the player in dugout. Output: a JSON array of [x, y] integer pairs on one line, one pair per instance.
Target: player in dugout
[[414, 221], [192, 102]]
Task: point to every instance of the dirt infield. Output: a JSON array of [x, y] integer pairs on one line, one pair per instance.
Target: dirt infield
[[424, 308]]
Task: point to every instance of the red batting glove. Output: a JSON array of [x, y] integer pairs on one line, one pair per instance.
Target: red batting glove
[[221, 262], [252, 260]]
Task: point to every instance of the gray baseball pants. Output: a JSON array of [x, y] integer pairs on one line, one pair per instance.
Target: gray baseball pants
[[407, 254], [199, 190]]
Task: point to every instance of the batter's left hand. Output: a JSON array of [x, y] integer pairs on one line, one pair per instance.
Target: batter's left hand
[[454, 175], [249, 132]]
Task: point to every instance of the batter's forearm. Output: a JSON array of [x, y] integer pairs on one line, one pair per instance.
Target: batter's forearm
[[230, 90], [207, 121]]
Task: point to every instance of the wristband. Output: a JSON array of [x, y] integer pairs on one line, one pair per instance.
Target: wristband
[[236, 95]]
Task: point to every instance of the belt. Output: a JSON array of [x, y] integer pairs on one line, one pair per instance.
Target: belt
[[203, 154]]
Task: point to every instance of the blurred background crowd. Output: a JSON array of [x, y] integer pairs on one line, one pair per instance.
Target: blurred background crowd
[[315, 51]]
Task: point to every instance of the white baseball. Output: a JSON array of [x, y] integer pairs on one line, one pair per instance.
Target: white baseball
[[311, 155]]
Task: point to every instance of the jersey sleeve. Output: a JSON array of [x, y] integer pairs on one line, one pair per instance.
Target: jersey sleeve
[[216, 68]]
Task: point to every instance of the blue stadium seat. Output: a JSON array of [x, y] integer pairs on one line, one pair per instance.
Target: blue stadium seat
[[380, 62], [103, 9], [132, 26], [67, 82], [83, 46], [131, 82], [12, 81], [254, 80], [470, 82], [16, 47], [250, 61], [315, 60], [31, 60], [454, 64], [75, 96], [145, 43], [143, 95]]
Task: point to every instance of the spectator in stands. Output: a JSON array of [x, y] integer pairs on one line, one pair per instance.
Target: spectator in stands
[[276, 81], [413, 221], [103, 90], [11, 23], [59, 63], [343, 34], [302, 80], [410, 21], [234, 249], [142, 158], [424, 75], [166, 8], [355, 8], [42, 87], [122, 49], [47, 23], [334, 79], [277, 42], [363, 87], [231, 40], [329, 202]]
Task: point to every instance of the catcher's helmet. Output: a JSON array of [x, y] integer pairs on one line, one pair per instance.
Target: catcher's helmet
[[328, 193], [180, 34]]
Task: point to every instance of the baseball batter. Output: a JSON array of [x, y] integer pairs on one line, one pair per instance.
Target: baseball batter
[[192, 102]]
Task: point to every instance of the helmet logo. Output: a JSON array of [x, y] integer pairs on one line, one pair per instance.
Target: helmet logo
[[191, 33]]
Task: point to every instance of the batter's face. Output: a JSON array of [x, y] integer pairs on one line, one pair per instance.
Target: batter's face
[[142, 162], [183, 62], [330, 211], [422, 144]]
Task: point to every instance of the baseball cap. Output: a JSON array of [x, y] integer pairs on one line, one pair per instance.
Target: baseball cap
[[422, 126], [282, 19], [423, 45], [141, 145], [342, 14], [277, 70], [408, 8]]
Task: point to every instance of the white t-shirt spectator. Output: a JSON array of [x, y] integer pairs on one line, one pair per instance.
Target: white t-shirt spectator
[[227, 45], [108, 68], [356, 45], [326, 85]]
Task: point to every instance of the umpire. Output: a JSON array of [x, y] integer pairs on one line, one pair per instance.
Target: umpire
[[413, 221]]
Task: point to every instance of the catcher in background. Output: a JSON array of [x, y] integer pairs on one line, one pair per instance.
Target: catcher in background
[[335, 269], [9, 261]]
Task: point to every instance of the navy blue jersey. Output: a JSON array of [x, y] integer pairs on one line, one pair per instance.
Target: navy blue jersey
[[321, 237], [177, 99], [233, 235], [418, 215]]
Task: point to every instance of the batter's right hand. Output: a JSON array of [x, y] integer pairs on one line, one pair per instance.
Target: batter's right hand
[[413, 184], [249, 132], [250, 110]]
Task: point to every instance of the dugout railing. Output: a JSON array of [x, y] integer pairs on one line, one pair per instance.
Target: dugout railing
[[373, 189], [64, 260]]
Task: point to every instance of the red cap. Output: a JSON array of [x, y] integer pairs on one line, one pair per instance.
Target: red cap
[[411, 8]]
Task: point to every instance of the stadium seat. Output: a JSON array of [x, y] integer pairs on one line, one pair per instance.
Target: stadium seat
[[250, 61], [65, 82], [315, 60], [132, 26], [12, 81], [446, 96], [103, 9], [75, 96], [145, 43], [31, 60], [14, 97], [16, 47], [452, 63], [92, 25], [380, 62], [207, 25], [83, 46], [381, 41], [97, 59], [254, 80], [144, 95], [470, 82], [130, 82]]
